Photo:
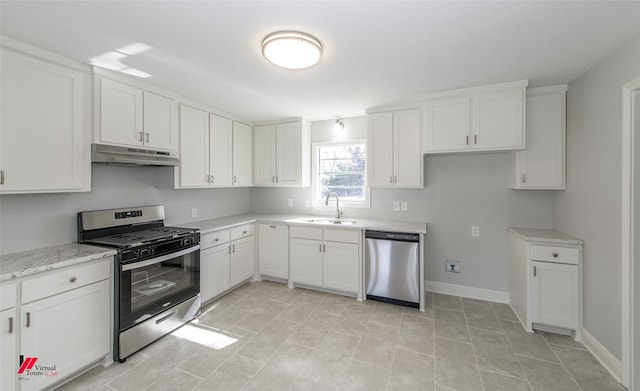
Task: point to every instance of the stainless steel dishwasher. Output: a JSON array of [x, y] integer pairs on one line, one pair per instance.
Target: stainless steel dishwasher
[[392, 263]]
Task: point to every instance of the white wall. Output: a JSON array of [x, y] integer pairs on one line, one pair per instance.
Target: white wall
[[590, 206], [461, 191], [38, 220]]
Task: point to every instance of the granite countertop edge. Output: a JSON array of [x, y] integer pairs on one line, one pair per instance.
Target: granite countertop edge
[[26, 263], [545, 235]]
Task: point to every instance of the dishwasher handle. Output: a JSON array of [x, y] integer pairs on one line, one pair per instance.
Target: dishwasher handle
[[396, 236]]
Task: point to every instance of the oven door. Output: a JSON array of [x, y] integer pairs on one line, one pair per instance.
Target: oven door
[[151, 286]]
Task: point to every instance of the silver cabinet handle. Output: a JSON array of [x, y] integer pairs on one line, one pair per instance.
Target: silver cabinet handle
[[141, 136], [535, 270], [395, 179], [2, 177], [390, 178], [229, 249], [273, 179], [244, 232], [475, 139], [234, 179], [28, 319], [73, 279], [272, 226], [555, 255], [523, 177], [234, 247], [324, 248], [277, 179], [147, 139], [11, 325], [216, 239], [320, 247], [467, 142]]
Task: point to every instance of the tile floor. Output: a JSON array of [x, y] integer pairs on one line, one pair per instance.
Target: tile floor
[[264, 336]]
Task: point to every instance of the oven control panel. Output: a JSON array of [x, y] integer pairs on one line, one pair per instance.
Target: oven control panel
[[128, 214]]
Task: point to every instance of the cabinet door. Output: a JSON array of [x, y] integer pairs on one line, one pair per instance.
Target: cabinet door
[[273, 250], [541, 165], [42, 137], [120, 114], [68, 330], [243, 260], [214, 271], [306, 261], [497, 120], [194, 148], [340, 266], [447, 124], [554, 294], [242, 154], [380, 150], [265, 155], [407, 149], [160, 122], [288, 154], [220, 145], [8, 353]]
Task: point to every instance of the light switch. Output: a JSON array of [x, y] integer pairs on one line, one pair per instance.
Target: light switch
[[396, 206], [475, 231], [290, 202], [403, 206]]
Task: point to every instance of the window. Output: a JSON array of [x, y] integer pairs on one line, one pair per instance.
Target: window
[[340, 168]]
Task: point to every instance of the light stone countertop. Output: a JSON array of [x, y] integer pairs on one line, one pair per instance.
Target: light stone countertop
[[29, 262], [226, 222], [545, 235]]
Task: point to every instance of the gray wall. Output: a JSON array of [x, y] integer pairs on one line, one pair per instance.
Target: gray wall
[[590, 206], [461, 191], [38, 220]]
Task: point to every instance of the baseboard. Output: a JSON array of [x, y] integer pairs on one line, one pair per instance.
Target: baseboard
[[467, 291], [604, 356]]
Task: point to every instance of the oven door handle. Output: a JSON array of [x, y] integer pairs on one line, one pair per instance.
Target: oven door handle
[[137, 265]]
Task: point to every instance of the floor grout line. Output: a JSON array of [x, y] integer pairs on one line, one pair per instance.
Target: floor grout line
[[473, 349]]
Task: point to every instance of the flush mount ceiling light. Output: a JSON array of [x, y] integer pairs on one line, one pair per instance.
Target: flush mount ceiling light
[[291, 49]]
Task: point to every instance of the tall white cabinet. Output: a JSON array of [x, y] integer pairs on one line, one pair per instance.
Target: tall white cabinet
[[394, 158], [542, 164], [545, 280], [486, 118], [45, 135], [282, 154]]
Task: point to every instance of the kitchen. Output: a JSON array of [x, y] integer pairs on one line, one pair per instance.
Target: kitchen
[[460, 190]]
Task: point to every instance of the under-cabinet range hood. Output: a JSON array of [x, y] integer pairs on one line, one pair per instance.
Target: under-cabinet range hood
[[131, 156]]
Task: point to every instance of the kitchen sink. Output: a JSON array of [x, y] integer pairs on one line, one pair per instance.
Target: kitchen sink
[[325, 221]]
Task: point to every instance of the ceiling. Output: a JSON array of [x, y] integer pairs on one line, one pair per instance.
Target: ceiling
[[376, 52]]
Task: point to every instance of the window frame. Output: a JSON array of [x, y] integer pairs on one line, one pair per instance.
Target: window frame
[[315, 176]]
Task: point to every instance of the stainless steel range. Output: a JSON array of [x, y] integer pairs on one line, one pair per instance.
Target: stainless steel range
[[156, 272]]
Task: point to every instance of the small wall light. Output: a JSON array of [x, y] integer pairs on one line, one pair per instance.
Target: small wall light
[[338, 126]]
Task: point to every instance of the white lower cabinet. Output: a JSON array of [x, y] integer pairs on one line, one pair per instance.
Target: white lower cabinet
[[545, 280], [60, 321], [554, 294], [227, 258], [273, 250], [326, 258]]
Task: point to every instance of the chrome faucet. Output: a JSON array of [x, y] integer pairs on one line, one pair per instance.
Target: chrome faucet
[[338, 210]]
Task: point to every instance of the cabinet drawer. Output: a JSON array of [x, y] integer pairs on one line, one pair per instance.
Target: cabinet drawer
[[342, 235], [213, 239], [243, 231], [306, 232], [7, 296], [555, 254], [65, 279]]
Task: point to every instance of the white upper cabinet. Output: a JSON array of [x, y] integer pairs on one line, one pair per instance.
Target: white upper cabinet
[[542, 164], [242, 154], [45, 111], [394, 158], [282, 154], [129, 116], [220, 147], [488, 118], [194, 145]]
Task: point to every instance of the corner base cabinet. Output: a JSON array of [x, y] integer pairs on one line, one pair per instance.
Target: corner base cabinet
[[60, 320], [545, 280]]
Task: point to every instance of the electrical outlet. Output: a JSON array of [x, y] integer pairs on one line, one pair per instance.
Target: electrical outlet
[[396, 206], [290, 202], [307, 203], [194, 212], [403, 206], [475, 231], [452, 266]]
